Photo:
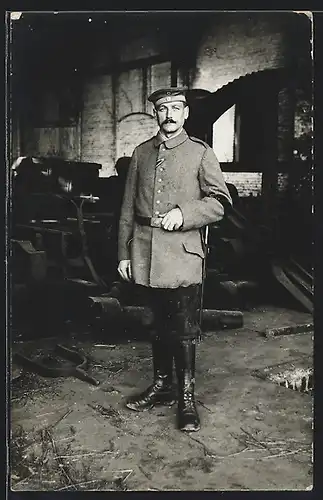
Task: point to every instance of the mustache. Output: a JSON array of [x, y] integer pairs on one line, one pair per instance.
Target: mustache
[[169, 120]]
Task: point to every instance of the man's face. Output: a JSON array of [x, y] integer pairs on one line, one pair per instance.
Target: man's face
[[171, 116]]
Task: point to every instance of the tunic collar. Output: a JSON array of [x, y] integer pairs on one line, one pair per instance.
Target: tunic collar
[[170, 143]]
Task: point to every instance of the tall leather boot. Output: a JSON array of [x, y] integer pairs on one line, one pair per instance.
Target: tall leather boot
[[188, 419], [161, 392]]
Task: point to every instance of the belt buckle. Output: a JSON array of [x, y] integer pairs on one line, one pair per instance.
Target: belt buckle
[[155, 221]]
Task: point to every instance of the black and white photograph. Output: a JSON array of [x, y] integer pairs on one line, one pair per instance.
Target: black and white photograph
[[160, 250]]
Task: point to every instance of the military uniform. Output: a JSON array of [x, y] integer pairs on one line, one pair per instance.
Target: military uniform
[[181, 172]]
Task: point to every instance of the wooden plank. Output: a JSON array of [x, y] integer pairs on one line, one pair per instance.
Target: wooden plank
[[293, 289], [288, 330]]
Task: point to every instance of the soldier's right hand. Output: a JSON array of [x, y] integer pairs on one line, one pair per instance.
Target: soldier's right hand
[[124, 269]]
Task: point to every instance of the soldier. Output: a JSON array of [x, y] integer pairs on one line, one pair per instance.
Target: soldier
[[174, 188]]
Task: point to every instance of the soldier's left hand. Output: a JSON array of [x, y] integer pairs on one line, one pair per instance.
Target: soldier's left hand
[[172, 220]]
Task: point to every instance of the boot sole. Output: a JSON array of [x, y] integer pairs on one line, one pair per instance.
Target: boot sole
[[133, 407], [129, 407], [190, 429]]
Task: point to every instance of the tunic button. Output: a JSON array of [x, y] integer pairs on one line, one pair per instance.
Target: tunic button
[[161, 168], [157, 202], [157, 212], [159, 191], [160, 180]]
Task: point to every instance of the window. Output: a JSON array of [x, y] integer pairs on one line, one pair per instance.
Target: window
[[130, 87], [135, 85], [223, 136]]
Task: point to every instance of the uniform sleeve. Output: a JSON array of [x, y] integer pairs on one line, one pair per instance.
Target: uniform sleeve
[[210, 208], [127, 210]]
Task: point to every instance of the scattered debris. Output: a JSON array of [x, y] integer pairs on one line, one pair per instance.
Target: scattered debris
[[202, 404], [82, 455], [108, 412], [146, 474], [110, 346], [283, 454], [287, 330], [277, 448], [296, 375], [116, 484], [16, 372], [254, 440], [62, 362], [110, 389], [76, 486], [298, 379], [64, 468]]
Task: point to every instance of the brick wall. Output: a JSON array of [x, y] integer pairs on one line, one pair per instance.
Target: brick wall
[[235, 45], [98, 123], [116, 115], [116, 118], [232, 45], [247, 183], [238, 44]]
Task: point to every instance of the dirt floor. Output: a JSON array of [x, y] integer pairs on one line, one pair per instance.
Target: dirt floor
[[256, 435]]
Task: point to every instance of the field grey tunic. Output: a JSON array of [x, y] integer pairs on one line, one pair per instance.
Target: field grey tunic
[[180, 172]]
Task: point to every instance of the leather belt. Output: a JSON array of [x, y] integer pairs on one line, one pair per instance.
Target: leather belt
[[148, 221]]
